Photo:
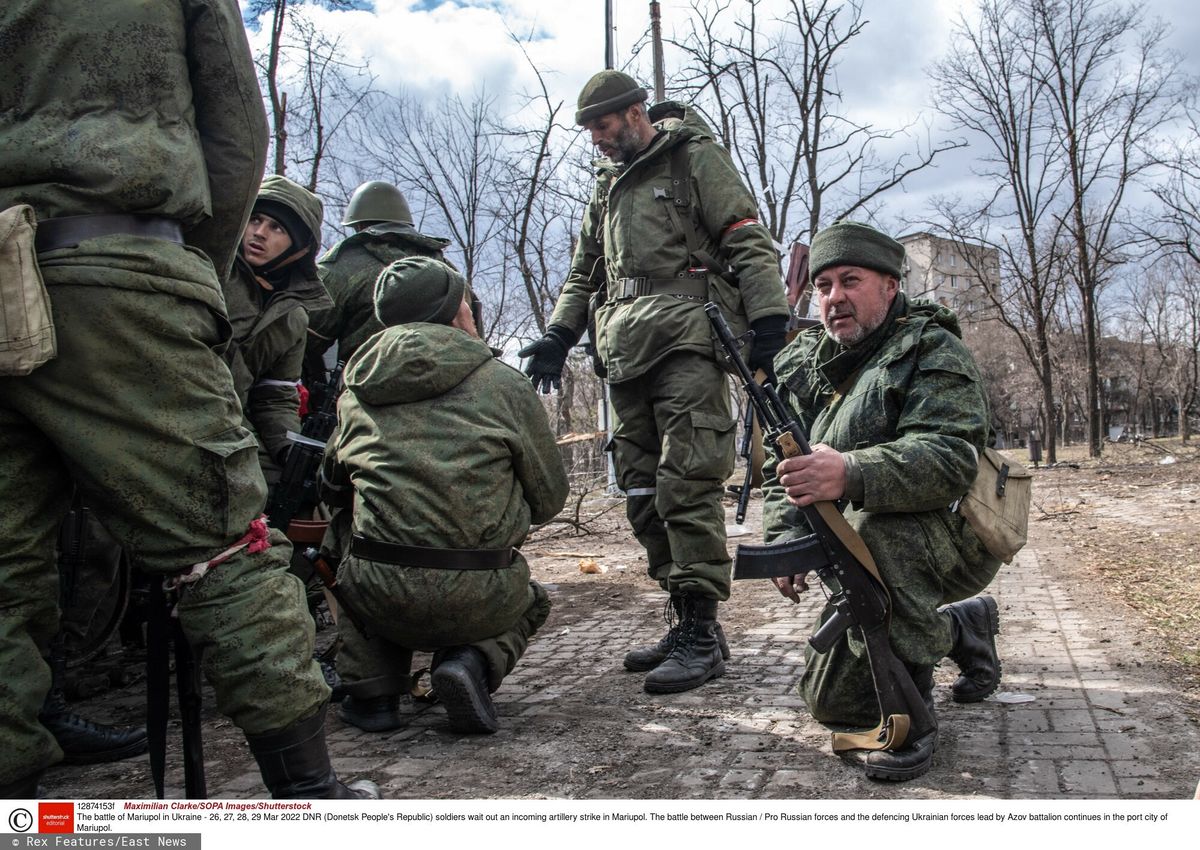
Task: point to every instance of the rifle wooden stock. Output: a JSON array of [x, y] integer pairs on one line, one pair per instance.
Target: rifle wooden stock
[[840, 558]]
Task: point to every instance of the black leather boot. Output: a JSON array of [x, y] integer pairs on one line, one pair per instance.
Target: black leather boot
[[644, 658], [86, 742], [295, 764], [460, 684], [696, 655], [372, 714], [913, 759], [25, 788], [974, 623]]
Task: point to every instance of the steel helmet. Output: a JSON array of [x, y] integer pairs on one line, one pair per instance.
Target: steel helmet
[[377, 201]]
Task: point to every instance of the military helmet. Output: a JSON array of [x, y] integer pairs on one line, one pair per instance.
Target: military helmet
[[607, 91], [377, 201]]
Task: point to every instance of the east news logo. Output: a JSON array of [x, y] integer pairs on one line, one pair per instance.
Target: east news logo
[[56, 817]]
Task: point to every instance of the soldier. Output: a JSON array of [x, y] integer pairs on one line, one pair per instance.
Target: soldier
[[273, 289], [669, 227], [383, 232], [897, 415], [451, 458], [142, 190]]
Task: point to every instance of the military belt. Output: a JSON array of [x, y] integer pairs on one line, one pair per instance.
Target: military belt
[[429, 558], [54, 234], [688, 286]]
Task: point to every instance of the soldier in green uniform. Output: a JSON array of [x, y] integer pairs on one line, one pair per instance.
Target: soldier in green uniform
[[136, 133], [670, 226], [451, 459], [896, 411], [273, 289], [384, 232]]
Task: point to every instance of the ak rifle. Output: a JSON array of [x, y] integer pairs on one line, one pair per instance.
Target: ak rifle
[[837, 554], [297, 485]]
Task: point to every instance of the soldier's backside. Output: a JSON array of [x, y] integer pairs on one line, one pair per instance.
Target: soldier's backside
[[136, 132]]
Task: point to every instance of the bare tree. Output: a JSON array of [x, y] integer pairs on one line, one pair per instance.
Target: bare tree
[[987, 87], [447, 158], [278, 14], [769, 89], [1109, 85]]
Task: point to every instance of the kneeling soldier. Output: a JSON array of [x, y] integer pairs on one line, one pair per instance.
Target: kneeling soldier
[[451, 459]]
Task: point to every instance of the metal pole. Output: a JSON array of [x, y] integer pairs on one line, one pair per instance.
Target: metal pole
[[660, 84], [609, 48]]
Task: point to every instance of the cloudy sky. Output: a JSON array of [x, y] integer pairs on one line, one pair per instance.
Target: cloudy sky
[[434, 46]]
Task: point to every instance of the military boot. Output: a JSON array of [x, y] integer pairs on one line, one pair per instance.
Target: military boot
[[974, 624], [916, 756], [295, 764], [641, 659], [460, 684], [372, 714], [696, 654], [86, 742]]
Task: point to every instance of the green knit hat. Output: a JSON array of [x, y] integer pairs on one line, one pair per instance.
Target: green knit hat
[[418, 289], [608, 91], [848, 243]]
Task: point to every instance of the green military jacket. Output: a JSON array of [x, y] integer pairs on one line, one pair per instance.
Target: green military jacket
[[270, 331], [446, 447], [71, 149], [631, 229], [349, 270], [909, 404]]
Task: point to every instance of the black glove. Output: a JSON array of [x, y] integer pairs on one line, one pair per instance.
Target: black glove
[[547, 356], [770, 335]]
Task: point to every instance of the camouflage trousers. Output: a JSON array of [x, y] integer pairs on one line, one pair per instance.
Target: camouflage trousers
[[673, 447], [948, 565], [408, 609], [139, 413]]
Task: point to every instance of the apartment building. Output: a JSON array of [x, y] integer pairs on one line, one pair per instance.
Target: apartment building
[[954, 274]]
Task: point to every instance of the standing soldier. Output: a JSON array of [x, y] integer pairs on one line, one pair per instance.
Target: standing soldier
[[383, 232], [273, 288], [136, 134], [669, 227]]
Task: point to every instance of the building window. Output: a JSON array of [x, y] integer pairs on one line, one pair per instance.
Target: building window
[[953, 280]]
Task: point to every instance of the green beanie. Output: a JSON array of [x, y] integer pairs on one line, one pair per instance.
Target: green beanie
[[848, 243], [608, 91], [418, 289]]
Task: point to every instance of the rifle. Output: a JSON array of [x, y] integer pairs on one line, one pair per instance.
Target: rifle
[[796, 286], [298, 483], [163, 632], [328, 575], [836, 553], [746, 452]]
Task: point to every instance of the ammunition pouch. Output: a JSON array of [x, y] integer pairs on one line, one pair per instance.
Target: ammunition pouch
[[26, 323]]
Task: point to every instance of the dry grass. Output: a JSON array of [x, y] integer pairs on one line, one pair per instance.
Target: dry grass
[[1132, 524]]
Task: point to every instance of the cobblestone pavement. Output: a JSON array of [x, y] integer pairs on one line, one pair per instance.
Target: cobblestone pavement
[[1102, 721]]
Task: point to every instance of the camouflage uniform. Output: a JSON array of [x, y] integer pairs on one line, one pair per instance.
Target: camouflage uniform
[[673, 439], [348, 271], [448, 448], [915, 417], [270, 330], [138, 409]]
